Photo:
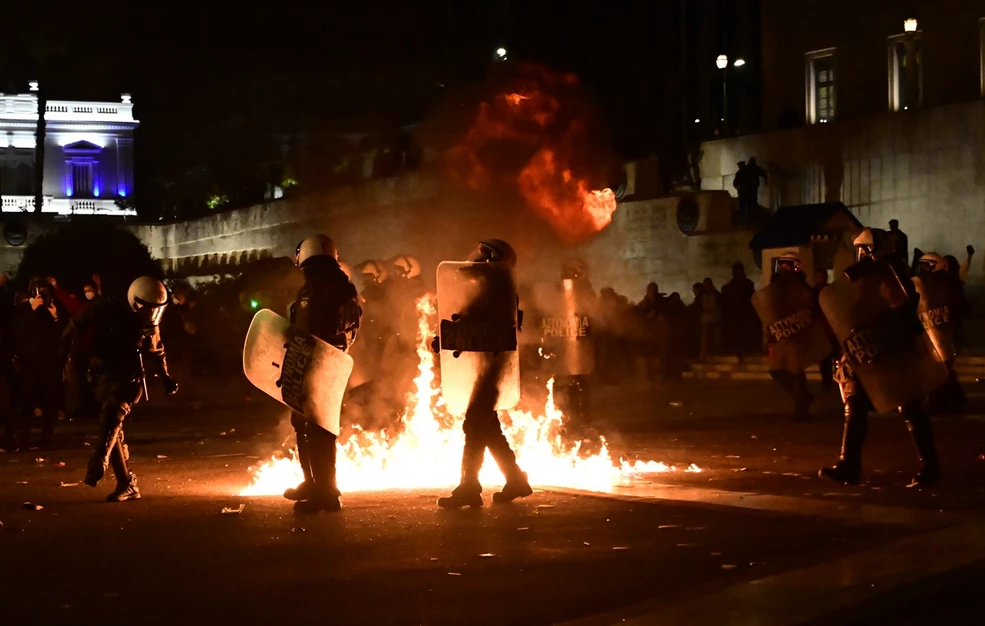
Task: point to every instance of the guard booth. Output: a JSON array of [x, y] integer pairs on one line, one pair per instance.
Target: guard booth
[[821, 234]]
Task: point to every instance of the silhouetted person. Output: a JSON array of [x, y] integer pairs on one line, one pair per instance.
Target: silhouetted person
[[740, 321], [900, 242], [746, 183]]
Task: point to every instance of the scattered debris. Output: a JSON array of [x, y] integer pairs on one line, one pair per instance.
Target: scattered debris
[[21, 482], [740, 469], [586, 543], [69, 485], [227, 510], [620, 547], [162, 456], [677, 405], [32, 507], [87, 444], [688, 545], [297, 530], [732, 456], [546, 506], [664, 526], [790, 474], [223, 434], [454, 573], [524, 528], [434, 558], [232, 430], [40, 459], [487, 555], [729, 566], [754, 437]]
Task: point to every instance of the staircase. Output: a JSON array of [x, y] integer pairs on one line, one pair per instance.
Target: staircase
[[969, 368]]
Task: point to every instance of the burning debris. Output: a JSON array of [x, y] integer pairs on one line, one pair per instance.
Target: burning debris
[[426, 453], [538, 136]]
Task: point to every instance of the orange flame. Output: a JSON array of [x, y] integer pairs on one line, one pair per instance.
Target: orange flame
[[428, 451]]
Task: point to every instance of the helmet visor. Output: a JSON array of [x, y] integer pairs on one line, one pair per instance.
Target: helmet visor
[[149, 312]]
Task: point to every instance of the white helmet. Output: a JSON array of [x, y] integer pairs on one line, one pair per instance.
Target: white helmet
[[315, 245], [875, 243], [373, 271], [932, 262], [495, 250], [148, 296], [407, 266]]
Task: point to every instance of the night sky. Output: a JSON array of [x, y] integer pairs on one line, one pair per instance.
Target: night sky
[[194, 66]]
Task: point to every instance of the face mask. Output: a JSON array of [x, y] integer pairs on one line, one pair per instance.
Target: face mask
[[90, 295]]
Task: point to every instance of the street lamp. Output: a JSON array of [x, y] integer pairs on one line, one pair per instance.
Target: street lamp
[[722, 63], [739, 63], [910, 25], [501, 54]]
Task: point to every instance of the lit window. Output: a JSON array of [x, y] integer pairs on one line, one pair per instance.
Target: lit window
[[981, 48], [905, 72], [821, 98], [81, 180]]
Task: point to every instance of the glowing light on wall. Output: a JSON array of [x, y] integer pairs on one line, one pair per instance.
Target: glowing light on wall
[[122, 191], [96, 190]]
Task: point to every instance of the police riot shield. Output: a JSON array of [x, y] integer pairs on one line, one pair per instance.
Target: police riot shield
[[296, 369], [891, 356], [794, 329], [477, 316], [940, 294], [566, 330]]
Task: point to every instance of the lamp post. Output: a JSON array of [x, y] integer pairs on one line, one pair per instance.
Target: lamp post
[[911, 71], [722, 63]]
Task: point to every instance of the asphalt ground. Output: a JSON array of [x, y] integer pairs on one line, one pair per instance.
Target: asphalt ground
[[671, 548]]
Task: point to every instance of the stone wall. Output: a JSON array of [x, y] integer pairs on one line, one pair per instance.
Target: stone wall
[[924, 168], [425, 216]]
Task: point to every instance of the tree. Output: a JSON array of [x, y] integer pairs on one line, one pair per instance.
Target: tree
[[74, 253]]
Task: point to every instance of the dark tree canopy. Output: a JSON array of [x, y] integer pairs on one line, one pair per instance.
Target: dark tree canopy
[[73, 253]]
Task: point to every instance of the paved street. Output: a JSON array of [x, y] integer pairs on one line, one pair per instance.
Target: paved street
[[756, 534]]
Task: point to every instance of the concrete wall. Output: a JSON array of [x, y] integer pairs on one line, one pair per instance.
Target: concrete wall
[[424, 216], [924, 169]]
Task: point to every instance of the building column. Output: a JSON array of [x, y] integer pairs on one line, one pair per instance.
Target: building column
[[124, 166]]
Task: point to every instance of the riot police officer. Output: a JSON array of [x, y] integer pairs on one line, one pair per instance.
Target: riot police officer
[[874, 315], [568, 340], [794, 331], [126, 349], [941, 306], [327, 307], [482, 426]]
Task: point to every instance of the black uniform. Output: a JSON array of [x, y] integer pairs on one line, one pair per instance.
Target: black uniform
[[328, 308], [483, 430], [794, 384], [125, 349], [857, 404]]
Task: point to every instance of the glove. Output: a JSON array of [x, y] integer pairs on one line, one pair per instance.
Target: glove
[[969, 249], [170, 387], [519, 320], [436, 345]]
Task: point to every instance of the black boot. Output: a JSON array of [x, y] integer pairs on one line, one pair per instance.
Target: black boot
[[126, 481], [923, 439], [125, 491], [323, 495], [302, 491], [516, 480], [469, 490], [101, 455], [849, 466]]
